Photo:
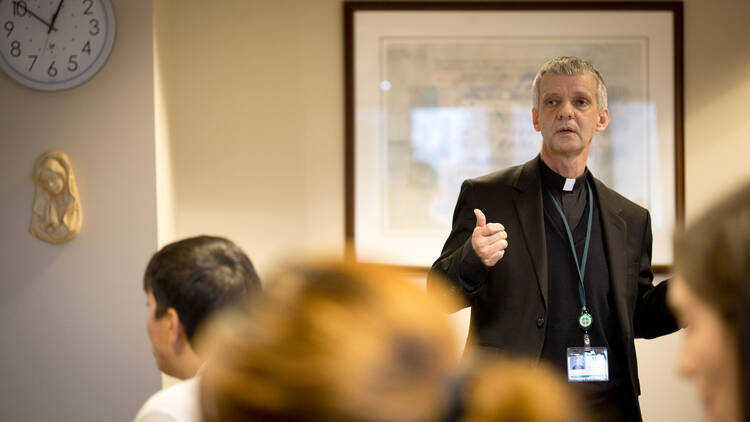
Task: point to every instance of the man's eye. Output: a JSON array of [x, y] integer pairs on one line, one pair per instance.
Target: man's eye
[[552, 102]]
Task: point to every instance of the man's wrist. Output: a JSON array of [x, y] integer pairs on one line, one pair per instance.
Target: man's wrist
[[472, 270]]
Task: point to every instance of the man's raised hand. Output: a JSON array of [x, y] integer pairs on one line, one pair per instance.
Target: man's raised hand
[[489, 240]]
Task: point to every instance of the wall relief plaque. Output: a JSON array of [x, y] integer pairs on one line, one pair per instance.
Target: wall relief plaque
[[56, 214]]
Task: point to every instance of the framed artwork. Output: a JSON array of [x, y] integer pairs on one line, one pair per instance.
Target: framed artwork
[[438, 92]]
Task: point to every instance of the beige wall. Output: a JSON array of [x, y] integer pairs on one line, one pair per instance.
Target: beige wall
[[254, 106], [253, 94], [717, 84], [74, 346]]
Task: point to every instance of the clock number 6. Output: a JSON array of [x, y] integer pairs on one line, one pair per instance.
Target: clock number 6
[[9, 27], [52, 70]]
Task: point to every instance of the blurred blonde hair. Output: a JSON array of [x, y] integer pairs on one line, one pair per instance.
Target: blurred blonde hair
[[333, 342], [512, 390]]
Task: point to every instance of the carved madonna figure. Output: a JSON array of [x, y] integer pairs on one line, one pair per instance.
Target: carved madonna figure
[[56, 213]]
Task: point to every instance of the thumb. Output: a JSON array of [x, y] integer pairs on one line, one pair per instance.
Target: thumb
[[481, 219]]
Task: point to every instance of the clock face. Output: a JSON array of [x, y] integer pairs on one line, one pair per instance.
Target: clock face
[[55, 44]]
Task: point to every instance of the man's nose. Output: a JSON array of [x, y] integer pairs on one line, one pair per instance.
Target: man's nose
[[565, 111]]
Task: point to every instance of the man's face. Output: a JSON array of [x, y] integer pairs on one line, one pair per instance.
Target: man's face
[[160, 335], [709, 355], [568, 114]]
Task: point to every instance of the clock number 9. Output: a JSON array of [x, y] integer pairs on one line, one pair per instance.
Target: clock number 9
[[20, 8], [15, 48], [96, 26], [52, 70], [9, 27]]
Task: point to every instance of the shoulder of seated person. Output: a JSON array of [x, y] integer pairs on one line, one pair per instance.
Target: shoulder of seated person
[[178, 402]]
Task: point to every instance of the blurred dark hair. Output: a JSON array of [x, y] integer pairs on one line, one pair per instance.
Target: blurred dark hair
[[197, 276]]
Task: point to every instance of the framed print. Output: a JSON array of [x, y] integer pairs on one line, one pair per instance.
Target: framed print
[[438, 92]]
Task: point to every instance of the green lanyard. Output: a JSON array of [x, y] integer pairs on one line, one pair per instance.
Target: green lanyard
[[584, 319]]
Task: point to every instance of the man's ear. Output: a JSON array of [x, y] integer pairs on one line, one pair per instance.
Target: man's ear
[[535, 119], [174, 325], [603, 120]]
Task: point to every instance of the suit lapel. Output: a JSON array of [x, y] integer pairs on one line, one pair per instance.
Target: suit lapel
[[615, 231], [531, 216]]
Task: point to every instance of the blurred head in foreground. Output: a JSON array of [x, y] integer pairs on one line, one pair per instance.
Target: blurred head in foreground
[[333, 342], [710, 298], [504, 390]]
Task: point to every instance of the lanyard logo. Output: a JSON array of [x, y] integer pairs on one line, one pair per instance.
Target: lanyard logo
[[585, 320]]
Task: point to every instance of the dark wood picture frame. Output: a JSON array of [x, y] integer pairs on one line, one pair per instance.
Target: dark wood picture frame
[[352, 8]]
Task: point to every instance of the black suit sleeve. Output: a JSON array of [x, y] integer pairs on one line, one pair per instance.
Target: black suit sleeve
[[458, 264], [652, 317]]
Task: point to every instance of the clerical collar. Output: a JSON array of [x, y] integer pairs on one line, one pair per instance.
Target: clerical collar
[[556, 183]]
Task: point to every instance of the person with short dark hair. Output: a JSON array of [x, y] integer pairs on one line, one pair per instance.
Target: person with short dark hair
[[187, 282]]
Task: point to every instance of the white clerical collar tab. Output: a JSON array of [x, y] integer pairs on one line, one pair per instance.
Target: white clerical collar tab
[[569, 183]]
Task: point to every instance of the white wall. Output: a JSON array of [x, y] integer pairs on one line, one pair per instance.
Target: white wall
[[72, 316]]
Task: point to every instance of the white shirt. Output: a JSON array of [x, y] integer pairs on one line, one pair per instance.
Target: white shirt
[[178, 403]]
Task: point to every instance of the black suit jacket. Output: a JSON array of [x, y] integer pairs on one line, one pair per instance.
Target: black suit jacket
[[509, 300]]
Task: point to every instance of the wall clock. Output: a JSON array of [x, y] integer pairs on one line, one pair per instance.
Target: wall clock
[[55, 44]]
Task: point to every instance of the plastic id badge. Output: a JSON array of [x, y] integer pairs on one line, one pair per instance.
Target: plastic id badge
[[587, 364]]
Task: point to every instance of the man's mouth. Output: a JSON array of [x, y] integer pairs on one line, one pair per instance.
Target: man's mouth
[[566, 130]]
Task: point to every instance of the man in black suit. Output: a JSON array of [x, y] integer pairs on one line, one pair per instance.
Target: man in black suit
[[541, 250]]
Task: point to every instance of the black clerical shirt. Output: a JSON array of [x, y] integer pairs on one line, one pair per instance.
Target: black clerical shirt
[[564, 305]]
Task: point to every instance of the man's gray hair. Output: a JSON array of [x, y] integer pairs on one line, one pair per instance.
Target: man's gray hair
[[569, 65]]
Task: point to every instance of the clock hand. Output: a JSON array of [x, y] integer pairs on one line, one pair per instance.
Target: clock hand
[[49, 26], [54, 17], [46, 40]]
